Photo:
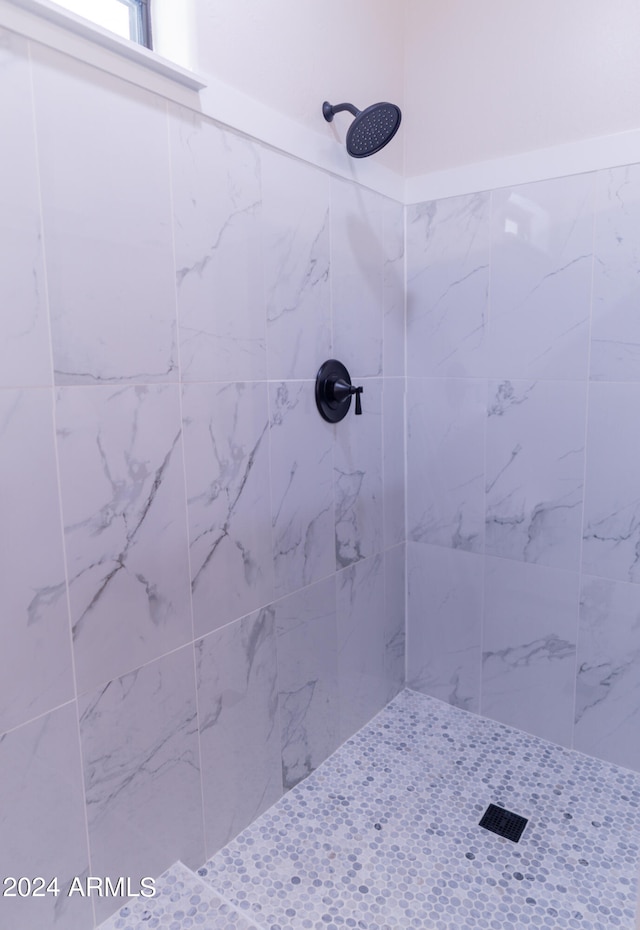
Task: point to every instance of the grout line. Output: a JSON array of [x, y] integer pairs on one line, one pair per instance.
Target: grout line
[[487, 344], [405, 444], [180, 386], [191, 643], [205, 880], [53, 392], [584, 472], [269, 394]]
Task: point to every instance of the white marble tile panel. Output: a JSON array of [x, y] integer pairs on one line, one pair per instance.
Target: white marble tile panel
[[445, 462], [611, 534], [529, 637], [359, 491], [447, 286], [307, 641], [295, 224], [444, 623], [107, 224], [301, 487], [608, 679], [615, 326], [393, 430], [393, 289], [124, 513], [25, 354], [42, 822], [357, 277], [139, 737], [216, 206], [541, 271], [535, 471], [35, 660], [239, 725], [226, 437], [361, 643], [394, 632]]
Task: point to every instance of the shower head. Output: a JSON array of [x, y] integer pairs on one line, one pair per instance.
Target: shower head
[[371, 129]]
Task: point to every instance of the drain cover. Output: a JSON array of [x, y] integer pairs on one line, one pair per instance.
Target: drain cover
[[503, 822]]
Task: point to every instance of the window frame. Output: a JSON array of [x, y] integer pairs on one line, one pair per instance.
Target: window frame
[[139, 22], [55, 26]]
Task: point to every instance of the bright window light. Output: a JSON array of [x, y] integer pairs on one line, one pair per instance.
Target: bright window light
[[124, 17]]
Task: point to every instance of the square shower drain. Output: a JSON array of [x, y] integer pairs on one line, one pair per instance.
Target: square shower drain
[[503, 822]]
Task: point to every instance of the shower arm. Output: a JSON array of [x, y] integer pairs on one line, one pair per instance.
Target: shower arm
[[329, 111]]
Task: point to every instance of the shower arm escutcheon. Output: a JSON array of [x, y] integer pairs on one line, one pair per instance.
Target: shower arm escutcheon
[[334, 390]]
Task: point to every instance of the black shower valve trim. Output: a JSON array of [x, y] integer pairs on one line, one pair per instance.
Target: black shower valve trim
[[334, 391]]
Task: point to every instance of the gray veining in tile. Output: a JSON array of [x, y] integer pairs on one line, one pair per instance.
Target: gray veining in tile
[[239, 723], [535, 471], [123, 506], [226, 436], [41, 798], [142, 772], [307, 641], [447, 287]]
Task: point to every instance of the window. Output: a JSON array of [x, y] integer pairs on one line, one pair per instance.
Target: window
[[127, 18]]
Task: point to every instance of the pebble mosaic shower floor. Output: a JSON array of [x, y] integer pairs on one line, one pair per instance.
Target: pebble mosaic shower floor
[[385, 836]]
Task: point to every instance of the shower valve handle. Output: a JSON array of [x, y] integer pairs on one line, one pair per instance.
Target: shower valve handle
[[334, 390], [342, 390]]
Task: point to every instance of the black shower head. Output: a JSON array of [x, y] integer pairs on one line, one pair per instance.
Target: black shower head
[[371, 129]]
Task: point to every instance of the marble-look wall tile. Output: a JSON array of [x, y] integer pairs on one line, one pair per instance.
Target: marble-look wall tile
[[307, 641], [361, 643], [216, 206], [615, 326], [107, 224], [393, 431], [301, 487], [25, 355], [393, 293], [42, 822], [444, 623], [35, 660], [239, 725], [608, 681], [394, 632], [529, 647], [445, 462], [447, 286], [139, 737], [357, 277], [611, 545], [122, 480], [295, 222], [226, 436], [535, 471], [358, 479], [541, 268]]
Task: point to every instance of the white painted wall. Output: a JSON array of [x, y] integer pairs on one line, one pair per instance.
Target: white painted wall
[[292, 54], [491, 79]]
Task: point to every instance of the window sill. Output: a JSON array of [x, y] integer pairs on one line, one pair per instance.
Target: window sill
[[59, 28]]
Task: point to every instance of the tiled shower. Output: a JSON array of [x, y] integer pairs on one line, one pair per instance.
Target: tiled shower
[[522, 381], [235, 564], [203, 583]]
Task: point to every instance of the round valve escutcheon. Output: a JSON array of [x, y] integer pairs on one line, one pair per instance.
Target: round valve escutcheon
[[334, 391]]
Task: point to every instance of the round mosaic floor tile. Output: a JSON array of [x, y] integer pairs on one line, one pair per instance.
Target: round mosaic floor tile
[[385, 834], [182, 902]]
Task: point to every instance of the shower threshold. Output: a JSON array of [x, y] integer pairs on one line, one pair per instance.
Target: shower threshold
[[385, 835]]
